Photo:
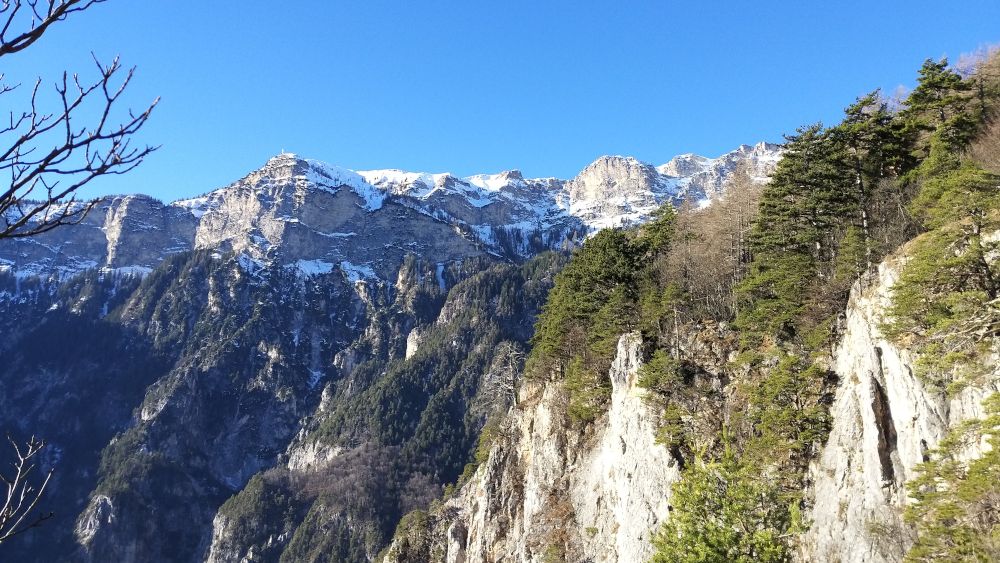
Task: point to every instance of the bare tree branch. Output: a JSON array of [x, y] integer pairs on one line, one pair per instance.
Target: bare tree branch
[[24, 21], [17, 514], [48, 155]]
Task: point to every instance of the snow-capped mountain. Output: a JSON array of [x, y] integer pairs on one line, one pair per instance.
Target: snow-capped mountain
[[703, 179], [318, 217], [328, 322]]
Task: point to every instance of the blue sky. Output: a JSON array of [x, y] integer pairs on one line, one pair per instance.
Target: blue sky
[[471, 87]]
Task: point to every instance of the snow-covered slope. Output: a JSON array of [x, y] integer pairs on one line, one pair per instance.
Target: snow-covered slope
[[296, 211], [701, 179]]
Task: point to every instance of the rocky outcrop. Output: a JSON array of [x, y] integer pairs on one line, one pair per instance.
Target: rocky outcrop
[[550, 488], [884, 421], [131, 233], [617, 190], [704, 179]]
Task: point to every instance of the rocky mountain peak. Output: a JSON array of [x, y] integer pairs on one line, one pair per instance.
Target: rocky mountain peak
[[283, 157], [512, 175], [685, 165], [295, 210], [283, 165], [617, 190], [615, 164], [613, 176]]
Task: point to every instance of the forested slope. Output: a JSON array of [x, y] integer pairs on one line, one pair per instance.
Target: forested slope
[[743, 318]]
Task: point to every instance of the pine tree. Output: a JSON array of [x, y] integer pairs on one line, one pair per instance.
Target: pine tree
[[595, 299], [792, 217], [940, 94], [607, 263], [789, 413], [955, 507], [725, 510], [940, 104], [794, 240], [873, 149]]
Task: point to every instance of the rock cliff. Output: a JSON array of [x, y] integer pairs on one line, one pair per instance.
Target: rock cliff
[[885, 419], [548, 489], [551, 488]]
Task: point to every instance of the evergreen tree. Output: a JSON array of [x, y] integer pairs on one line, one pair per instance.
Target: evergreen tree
[[789, 413], [946, 300], [656, 234], [596, 298], [873, 149], [940, 94], [725, 510], [805, 197], [794, 240], [607, 263], [958, 192], [940, 105]]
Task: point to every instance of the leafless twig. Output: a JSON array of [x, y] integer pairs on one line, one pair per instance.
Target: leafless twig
[[48, 155], [18, 514]]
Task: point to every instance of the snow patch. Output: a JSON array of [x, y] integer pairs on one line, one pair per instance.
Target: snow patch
[[313, 267], [496, 182], [356, 273], [197, 206], [439, 275], [314, 376], [337, 235], [130, 271], [413, 184], [332, 177], [249, 265]]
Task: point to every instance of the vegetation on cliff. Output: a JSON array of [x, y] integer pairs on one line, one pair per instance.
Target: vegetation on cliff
[[841, 199], [770, 267]]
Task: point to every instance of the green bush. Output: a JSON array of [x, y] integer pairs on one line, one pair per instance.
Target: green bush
[[725, 510], [954, 508]]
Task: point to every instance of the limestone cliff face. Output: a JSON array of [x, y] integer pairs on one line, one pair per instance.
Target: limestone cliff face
[[884, 421], [298, 212], [133, 233], [616, 189], [548, 487]]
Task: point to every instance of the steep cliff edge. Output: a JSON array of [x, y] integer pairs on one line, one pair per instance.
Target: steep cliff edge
[[550, 489], [885, 419]]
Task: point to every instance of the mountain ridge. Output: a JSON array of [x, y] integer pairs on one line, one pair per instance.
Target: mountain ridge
[[292, 210]]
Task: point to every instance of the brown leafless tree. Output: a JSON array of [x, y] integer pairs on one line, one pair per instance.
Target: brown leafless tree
[[986, 149], [47, 155], [508, 366], [711, 254], [18, 513], [981, 70]]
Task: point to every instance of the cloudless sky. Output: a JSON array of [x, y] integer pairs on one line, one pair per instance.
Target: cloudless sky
[[470, 87]]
